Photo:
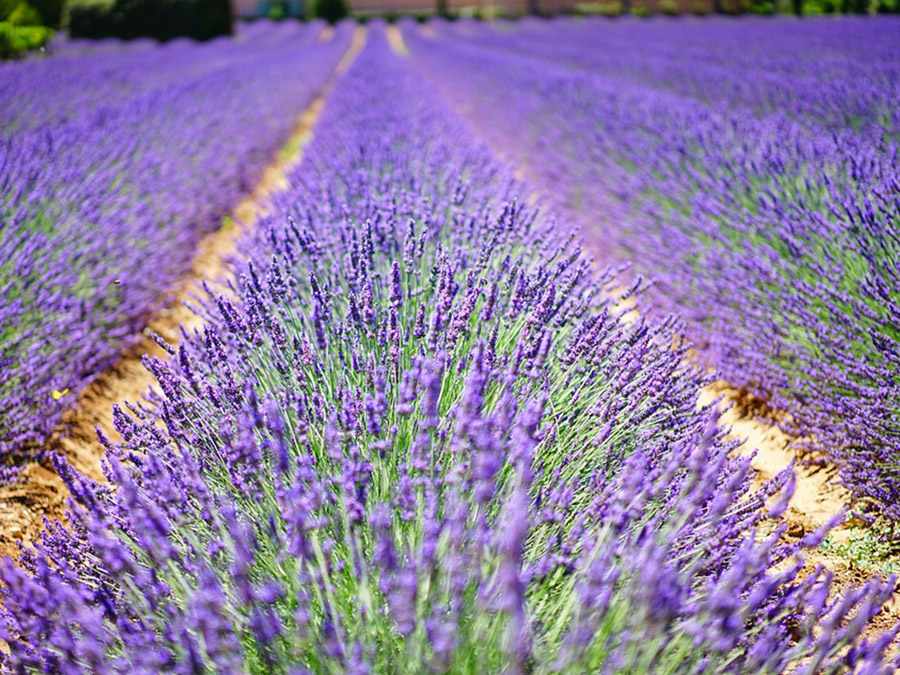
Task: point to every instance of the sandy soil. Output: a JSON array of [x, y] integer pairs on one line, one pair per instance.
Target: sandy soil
[[326, 34], [395, 40], [41, 493], [818, 497]]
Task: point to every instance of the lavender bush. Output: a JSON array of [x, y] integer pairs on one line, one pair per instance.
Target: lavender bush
[[114, 167], [751, 169], [417, 438]]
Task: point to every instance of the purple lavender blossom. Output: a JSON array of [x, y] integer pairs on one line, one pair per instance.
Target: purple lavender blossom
[[114, 167], [494, 496], [750, 168]]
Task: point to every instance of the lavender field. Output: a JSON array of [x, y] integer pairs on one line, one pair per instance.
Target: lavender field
[[448, 411]]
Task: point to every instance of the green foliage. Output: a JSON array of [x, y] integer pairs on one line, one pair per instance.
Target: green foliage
[[278, 10], [25, 26], [668, 7], [88, 18], [160, 19], [15, 40], [24, 14], [51, 11], [330, 10], [613, 8], [872, 548], [31, 12], [763, 7], [6, 8]]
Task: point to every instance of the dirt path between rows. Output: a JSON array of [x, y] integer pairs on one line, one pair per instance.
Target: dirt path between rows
[[818, 497], [40, 492]]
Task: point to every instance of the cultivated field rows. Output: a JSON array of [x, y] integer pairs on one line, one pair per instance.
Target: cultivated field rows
[[400, 421], [641, 134]]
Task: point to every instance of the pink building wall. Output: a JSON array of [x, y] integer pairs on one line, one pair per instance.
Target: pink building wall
[[245, 7]]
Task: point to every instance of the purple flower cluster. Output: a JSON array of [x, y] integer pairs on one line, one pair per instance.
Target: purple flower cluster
[[416, 437], [749, 168], [114, 165]]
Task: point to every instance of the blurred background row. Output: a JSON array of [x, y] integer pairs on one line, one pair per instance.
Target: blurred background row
[[29, 26]]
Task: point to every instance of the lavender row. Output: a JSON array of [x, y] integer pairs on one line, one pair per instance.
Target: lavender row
[[82, 80], [770, 67], [101, 208], [775, 233], [63, 46], [416, 438]]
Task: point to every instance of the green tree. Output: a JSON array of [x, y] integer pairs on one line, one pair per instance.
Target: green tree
[[330, 10]]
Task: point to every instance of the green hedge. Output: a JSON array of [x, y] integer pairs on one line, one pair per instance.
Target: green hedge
[[15, 40], [31, 12], [160, 19], [51, 11], [22, 26], [330, 10]]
